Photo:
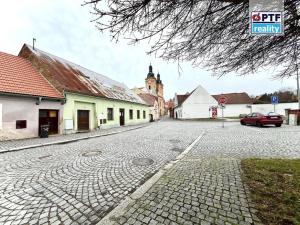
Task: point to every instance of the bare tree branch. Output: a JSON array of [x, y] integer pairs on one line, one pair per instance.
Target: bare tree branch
[[212, 33]]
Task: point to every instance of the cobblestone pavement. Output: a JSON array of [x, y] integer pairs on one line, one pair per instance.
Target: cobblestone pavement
[[80, 182], [11, 144], [205, 187]]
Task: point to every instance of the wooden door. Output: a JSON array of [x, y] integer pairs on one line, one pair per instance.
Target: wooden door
[[49, 117], [122, 117], [83, 120]]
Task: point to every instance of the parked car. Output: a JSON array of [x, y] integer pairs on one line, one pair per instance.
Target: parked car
[[260, 119], [242, 115]]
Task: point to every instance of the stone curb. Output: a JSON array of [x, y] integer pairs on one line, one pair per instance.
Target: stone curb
[[69, 140], [120, 210]]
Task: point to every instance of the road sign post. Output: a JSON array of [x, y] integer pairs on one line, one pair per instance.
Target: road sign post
[[222, 101], [274, 100]]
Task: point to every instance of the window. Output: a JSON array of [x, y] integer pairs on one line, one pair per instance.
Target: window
[[21, 124], [130, 114], [110, 114], [138, 114], [102, 121], [144, 114]]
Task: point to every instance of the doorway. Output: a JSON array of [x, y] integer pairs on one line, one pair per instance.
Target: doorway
[[122, 117], [49, 117], [151, 117], [83, 120]]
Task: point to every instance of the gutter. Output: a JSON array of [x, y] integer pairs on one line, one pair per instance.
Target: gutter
[[30, 96]]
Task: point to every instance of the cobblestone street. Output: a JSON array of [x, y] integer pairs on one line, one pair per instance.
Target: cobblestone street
[[205, 187], [81, 182], [21, 143]]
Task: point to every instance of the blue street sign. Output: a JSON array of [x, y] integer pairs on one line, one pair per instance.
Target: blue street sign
[[274, 99]]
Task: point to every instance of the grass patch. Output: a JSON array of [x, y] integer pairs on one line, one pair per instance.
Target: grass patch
[[275, 189]]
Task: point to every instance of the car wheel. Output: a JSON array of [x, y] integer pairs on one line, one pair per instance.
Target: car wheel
[[278, 125], [258, 124], [243, 123]]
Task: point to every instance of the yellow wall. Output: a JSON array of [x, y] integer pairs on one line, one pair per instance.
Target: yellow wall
[[98, 107]]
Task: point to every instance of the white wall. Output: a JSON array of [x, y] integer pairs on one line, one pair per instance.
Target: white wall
[[234, 110], [197, 104], [21, 108], [279, 108], [0, 116]]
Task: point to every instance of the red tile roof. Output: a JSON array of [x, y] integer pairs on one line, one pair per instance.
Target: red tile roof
[[18, 76], [148, 98], [181, 98], [70, 77], [236, 98]]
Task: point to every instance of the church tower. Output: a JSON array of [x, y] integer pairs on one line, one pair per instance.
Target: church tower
[[154, 86], [160, 95], [159, 87], [150, 81]]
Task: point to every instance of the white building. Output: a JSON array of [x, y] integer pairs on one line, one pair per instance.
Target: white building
[[199, 104], [196, 104], [236, 105]]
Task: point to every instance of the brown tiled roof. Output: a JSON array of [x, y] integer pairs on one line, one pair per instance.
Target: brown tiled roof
[[148, 98], [236, 98], [70, 77], [182, 98], [18, 76]]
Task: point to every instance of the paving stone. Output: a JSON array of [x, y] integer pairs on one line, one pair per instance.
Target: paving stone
[[68, 188], [206, 186]]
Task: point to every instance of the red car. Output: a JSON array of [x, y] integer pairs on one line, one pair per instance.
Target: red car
[[260, 119]]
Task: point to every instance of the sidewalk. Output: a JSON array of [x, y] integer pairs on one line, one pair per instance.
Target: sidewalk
[[195, 191], [16, 145], [202, 186]]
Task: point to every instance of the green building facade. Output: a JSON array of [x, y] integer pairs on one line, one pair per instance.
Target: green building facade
[[102, 113]]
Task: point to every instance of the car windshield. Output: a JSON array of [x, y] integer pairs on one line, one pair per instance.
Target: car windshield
[[273, 114]]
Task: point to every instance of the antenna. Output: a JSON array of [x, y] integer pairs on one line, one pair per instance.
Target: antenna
[[33, 41]]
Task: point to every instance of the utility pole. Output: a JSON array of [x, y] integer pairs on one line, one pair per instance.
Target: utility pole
[[297, 72], [298, 91]]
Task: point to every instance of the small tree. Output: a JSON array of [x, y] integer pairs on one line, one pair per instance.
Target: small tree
[[214, 33]]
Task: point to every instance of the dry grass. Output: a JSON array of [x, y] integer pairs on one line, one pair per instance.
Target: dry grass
[[275, 189]]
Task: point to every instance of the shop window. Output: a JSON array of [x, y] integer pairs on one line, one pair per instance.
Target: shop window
[[102, 121], [21, 124], [52, 113], [138, 114], [130, 114], [110, 114]]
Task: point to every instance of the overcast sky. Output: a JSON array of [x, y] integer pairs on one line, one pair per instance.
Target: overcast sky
[[63, 28]]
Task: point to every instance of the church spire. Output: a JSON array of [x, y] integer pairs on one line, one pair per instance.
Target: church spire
[[150, 73], [158, 79]]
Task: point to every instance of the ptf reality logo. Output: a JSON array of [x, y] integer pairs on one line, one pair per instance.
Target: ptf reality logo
[[270, 23]]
